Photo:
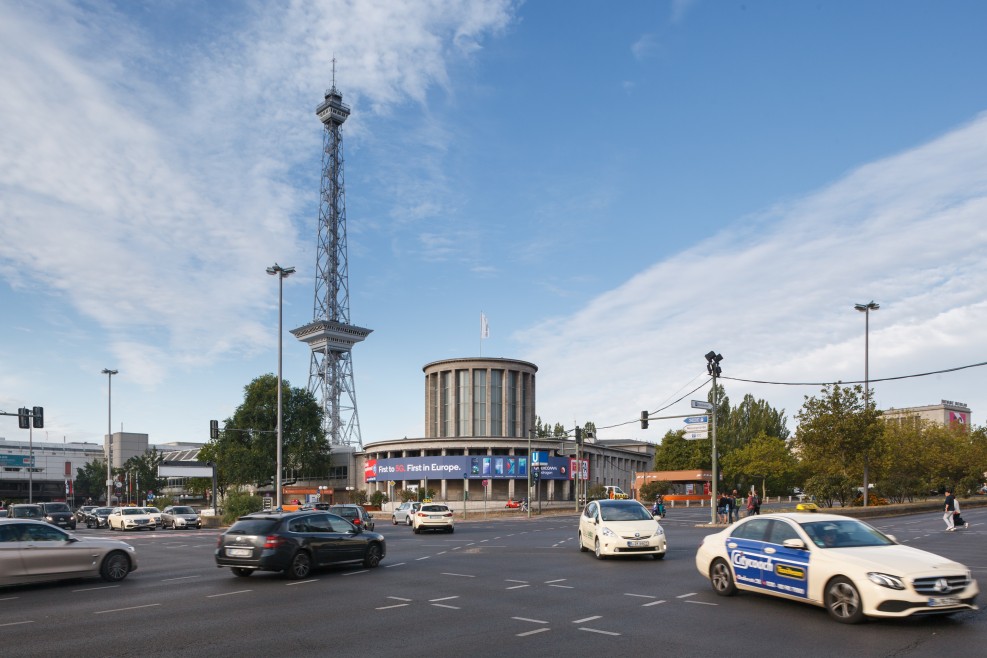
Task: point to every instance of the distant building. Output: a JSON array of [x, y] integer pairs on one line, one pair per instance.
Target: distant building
[[946, 413]]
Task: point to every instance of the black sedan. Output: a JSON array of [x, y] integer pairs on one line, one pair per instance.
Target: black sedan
[[98, 517], [294, 543]]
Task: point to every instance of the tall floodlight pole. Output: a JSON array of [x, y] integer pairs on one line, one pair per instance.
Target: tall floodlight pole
[[109, 431], [527, 494], [713, 368], [866, 309], [282, 273]]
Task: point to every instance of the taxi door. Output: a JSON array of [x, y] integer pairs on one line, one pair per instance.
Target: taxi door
[[747, 549]]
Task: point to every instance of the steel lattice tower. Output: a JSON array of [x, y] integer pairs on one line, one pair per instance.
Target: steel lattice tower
[[330, 335]]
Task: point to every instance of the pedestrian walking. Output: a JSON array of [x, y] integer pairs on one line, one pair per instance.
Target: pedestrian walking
[[734, 506], [949, 510], [721, 508]]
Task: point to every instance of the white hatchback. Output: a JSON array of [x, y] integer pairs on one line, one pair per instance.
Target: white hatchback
[[620, 527], [433, 516]]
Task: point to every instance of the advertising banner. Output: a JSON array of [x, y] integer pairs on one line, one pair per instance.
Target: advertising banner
[[458, 467]]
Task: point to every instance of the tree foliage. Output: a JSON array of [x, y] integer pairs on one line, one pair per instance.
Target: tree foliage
[[764, 462], [90, 480], [246, 451]]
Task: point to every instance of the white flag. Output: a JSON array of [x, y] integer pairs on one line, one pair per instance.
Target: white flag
[[484, 326]]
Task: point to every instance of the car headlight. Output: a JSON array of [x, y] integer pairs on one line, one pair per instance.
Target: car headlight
[[607, 532], [886, 580], [659, 532]]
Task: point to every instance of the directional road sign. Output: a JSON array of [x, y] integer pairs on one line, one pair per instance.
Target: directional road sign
[[694, 436], [700, 404], [696, 419], [696, 427]]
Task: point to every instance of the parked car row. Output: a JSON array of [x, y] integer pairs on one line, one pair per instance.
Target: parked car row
[[137, 518]]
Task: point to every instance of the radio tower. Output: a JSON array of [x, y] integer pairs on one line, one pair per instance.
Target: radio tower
[[330, 335]]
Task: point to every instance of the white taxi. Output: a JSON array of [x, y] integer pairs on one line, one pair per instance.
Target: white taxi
[[836, 562], [620, 527]]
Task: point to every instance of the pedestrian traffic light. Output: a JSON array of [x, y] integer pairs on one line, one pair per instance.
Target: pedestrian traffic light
[[213, 429], [23, 421], [644, 420], [39, 416]]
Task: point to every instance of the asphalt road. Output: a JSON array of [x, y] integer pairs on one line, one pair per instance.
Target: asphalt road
[[493, 588]]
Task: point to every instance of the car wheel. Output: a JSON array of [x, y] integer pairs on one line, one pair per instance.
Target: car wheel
[[721, 578], [394, 520], [115, 567], [579, 540], [843, 601], [372, 558], [301, 566], [241, 572], [596, 550], [659, 556], [409, 520], [417, 530], [452, 529]]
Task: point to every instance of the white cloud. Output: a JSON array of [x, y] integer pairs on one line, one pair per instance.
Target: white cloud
[[775, 294]]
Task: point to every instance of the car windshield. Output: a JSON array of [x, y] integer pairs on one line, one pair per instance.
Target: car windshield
[[434, 508], [624, 512], [133, 511], [844, 533], [57, 507], [182, 510]]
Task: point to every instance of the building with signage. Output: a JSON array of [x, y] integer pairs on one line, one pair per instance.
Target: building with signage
[[946, 413], [476, 445]]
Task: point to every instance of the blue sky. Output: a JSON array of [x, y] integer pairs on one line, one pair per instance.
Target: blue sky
[[619, 187]]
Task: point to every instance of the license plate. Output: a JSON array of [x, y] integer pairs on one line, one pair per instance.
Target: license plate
[[637, 543], [238, 552], [435, 517], [943, 601]]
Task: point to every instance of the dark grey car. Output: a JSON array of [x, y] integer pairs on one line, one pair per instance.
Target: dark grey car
[[59, 514]]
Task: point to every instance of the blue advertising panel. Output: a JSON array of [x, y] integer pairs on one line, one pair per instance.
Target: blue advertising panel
[[455, 467], [21, 461]]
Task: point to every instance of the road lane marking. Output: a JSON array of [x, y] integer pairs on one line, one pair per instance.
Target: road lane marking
[[685, 596], [168, 580], [459, 575], [388, 607], [511, 580], [443, 605], [304, 582], [641, 596], [645, 605], [136, 607], [518, 586], [444, 598], [586, 619], [702, 603], [398, 598], [557, 580], [95, 589], [563, 586], [242, 591], [14, 623], [537, 630], [594, 630], [423, 558], [533, 621], [353, 573]]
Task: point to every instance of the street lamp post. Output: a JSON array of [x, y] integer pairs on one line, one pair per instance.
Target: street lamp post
[[866, 309], [109, 431], [713, 368], [282, 273]]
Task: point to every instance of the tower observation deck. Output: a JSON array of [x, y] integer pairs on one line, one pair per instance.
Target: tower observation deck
[[330, 335]]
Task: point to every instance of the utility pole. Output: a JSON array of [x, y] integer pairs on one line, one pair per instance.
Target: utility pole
[[713, 368]]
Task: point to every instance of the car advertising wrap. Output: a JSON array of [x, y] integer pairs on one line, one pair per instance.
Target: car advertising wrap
[[461, 466], [784, 571]]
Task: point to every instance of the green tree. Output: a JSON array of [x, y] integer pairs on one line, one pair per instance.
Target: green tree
[[246, 451], [747, 421], [143, 470], [676, 453], [765, 462], [839, 435], [90, 480]]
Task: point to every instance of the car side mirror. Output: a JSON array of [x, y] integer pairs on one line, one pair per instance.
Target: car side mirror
[[794, 543], [892, 538]]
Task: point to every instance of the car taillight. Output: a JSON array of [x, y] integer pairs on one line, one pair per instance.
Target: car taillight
[[273, 541], [356, 521]]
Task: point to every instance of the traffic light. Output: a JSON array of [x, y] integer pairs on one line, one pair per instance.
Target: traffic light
[[213, 429], [644, 420], [23, 421], [535, 474], [39, 417], [579, 436]]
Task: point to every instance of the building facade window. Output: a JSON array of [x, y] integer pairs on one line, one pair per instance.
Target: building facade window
[[448, 407], [512, 402], [463, 402], [479, 403], [496, 403], [433, 405]]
